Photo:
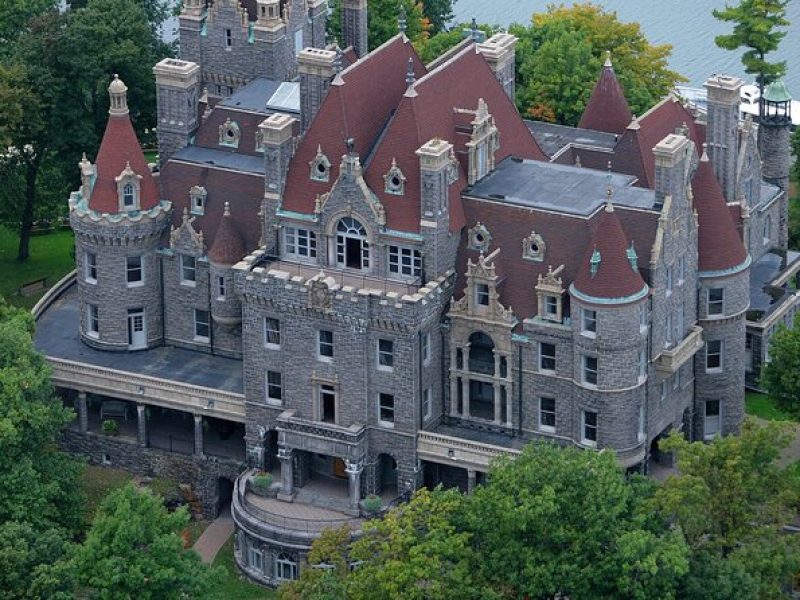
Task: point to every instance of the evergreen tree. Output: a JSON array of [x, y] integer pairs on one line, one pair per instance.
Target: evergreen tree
[[757, 27]]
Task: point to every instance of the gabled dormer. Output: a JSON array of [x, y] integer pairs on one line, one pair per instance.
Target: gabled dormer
[[484, 142], [128, 189], [481, 297]]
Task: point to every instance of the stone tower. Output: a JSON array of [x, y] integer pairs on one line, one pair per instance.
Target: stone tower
[[118, 222], [277, 139], [723, 126], [354, 25], [177, 93], [774, 145], [316, 68], [499, 51]]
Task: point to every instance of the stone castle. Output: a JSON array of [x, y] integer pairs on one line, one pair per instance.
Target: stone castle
[[365, 274]]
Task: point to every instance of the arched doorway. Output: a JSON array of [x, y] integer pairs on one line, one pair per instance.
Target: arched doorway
[[352, 247], [224, 495], [386, 475]]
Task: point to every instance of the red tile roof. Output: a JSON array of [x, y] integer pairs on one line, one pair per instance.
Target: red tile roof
[[392, 125], [615, 277], [607, 109], [120, 147], [566, 238], [719, 246], [244, 192], [227, 248]]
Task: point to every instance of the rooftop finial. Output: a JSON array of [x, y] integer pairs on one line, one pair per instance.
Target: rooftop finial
[[473, 27], [608, 64], [337, 60], [704, 156], [402, 21], [226, 211], [609, 191], [410, 76], [118, 95]]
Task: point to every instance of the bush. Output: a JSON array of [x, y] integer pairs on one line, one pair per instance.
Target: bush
[[110, 427], [372, 503], [263, 481]]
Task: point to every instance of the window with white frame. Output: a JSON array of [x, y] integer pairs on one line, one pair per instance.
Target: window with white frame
[[325, 345], [641, 435], [386, 410], [547, 357], [425, 350], [681, 270], [197, 200], [427, 403], [128, 195], [589, 428], [299, 242], [272, 332], [352, 245], [482, 294], [221, 287], [767, 229], [255, 559], [228, 38], [588, 322], [664, 389], [274, 383], [669, 280], [551, 306], [716, 301], [714, 355], [92, 320], [90, 267], [134, 270], [712, 421], [590, 370], [285, 568], [385, 355], [642, 317], [547, 414], [642, 365], [405, 261], [202, 325], [188, 269], [668, 331]]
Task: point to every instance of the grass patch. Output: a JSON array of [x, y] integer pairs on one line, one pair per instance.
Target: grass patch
[[196, 529], [50, 256], [151, 156], [234, 585], [98, 482], [760, 405]]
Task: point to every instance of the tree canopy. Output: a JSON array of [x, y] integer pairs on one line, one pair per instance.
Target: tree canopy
[[781, 375], [133, 550], [560, 54]]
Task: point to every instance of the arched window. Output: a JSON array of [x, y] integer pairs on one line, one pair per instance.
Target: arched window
[[352, 247], [481, 353], [285, 568], [128, 196]]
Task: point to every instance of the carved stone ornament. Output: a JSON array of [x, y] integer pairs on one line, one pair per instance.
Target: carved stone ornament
[[184, 238], [229, 134], [533, 247], [320, 166], [319, 296], [394, 180], [479, 237]]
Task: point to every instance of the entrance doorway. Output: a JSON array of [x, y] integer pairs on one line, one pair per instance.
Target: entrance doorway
[[224, 494], [339, 468], [137, 336], [327, 404], [352, 247]]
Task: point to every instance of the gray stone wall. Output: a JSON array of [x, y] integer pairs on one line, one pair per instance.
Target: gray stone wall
[[180, 300], [775, 137], [354, 26]]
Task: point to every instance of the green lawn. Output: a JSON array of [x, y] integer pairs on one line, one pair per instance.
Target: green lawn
[[234, 585], [761, 406], [98, 482], [50, 256], [151, 156]]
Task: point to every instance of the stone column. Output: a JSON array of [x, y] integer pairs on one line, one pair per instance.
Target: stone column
[[509, 406], [465, 394], [83, 412], [353, 471], [141, 422], [472, 477], [198, 436], [287, 475]]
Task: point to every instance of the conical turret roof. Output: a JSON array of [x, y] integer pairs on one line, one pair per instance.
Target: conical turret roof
[[719, 246], [608, 271], [119, 150], [607, 109], [227, 248]]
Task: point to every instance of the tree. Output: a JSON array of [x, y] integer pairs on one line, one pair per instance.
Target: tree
[[781, 375], [436, 45], [39, 484], [383, 22], [34, 564], [565, 521], [329, 583], [640, 66], [756, 24], [731, 500], [133, 550], [15, 16], [439, 13]]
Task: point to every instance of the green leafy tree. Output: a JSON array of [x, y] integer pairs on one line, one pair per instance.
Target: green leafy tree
[[383, 21], [561, 520], [781, 375], [731, 500], [133, 550], [641, 67], [14, 18], [330, 582], [439, 13], [34, 564], [436, 45], [39, 484], [758, 27]]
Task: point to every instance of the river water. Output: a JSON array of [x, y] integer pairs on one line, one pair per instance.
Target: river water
[[686, 24]]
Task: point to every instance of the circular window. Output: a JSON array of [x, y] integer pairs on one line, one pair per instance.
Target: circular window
[[321, 168], [395, 181], [230, 134], [534, 248], [479, 238]]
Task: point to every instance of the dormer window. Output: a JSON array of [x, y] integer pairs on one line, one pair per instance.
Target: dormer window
[[479, 237], [197, 200], [128, 189], [482, 294], [320, 167], [394, 180], [229, 134], [483, 144], [533, 247]]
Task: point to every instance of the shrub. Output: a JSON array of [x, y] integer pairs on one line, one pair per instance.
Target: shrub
[[263, 481], [372, 503], [110, 427]]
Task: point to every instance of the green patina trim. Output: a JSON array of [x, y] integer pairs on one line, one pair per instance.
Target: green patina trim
[[777, 92], [724, 272], [621, 300], [290, 214]]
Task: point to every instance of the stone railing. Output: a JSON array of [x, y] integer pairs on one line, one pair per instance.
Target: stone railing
[[467, 454], [669, 361], [53, 294], [148, 390], [353, 434], [293, 524]]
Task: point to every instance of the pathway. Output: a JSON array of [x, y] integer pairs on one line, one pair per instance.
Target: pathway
[[214, 537]]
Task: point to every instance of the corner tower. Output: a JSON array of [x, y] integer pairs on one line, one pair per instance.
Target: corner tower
[[118, 221], [177, 92], [723, 128], [774, 145]]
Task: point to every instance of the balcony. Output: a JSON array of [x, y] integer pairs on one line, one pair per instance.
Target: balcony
[[445, 449], [321, 437], [669, 361]]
